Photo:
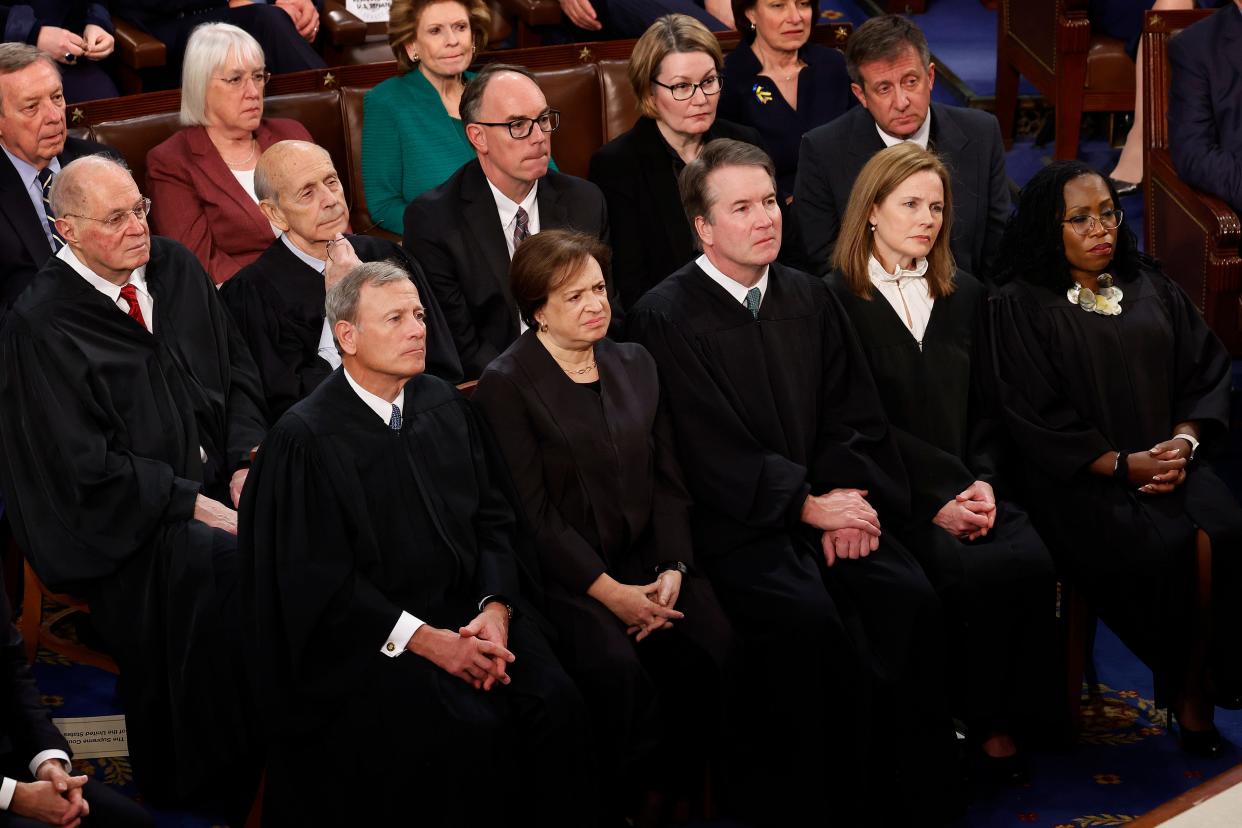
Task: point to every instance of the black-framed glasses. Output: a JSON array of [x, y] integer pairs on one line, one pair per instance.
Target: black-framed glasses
[[115, 221], [685, 91], [520, 128], [1084, 225], [235, 81]]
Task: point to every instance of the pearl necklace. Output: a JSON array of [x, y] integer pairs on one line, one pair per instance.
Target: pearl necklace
[[233, 164]]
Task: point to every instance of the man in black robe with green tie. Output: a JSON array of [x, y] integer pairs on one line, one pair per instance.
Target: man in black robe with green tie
[[791, 466], [389, 627]]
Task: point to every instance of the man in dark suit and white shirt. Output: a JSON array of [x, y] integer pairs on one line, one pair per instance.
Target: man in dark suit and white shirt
[[892, 73], [35, 141], [464, 232]]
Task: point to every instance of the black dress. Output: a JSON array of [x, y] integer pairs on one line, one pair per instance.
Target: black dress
[[599, 478], [998, 591], [1076, 385], [753, 99]]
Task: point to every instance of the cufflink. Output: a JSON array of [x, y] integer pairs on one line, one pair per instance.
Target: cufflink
[[390, 646]]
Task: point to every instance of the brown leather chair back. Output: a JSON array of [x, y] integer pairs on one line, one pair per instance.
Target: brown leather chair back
[[620, 103], [132, 138], [351, 113], [320, 113], [575, 92]]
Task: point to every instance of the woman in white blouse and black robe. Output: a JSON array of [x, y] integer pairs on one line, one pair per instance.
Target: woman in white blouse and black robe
[[921, 325]]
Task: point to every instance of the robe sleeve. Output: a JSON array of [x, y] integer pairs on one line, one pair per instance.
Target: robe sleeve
[[985, 440], [563, 553], [1202, 366], [1046, 426], [82, 505], [316, 621], [936, 476], [727, 466], [245, 407], [500, 551], [670, 509]]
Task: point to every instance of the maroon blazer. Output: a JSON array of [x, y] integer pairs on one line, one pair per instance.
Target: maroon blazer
[[196, 200]]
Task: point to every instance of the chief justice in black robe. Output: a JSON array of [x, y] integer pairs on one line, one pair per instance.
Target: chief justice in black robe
[[379, 563], [922, 327], [122, 430], [1108, 392], [777, 421], [277, 300]]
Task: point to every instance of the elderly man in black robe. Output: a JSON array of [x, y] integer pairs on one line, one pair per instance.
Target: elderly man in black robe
[[277, 300], [389, 624], [791, 466], [128, 409]]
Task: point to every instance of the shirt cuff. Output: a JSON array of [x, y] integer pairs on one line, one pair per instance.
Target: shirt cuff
[[401, 634], [7, 787], [43, 756]]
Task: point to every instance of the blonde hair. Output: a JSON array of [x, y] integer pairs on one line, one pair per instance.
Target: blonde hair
[[856, 241], [206, 51], [403, 20], [670, 33]]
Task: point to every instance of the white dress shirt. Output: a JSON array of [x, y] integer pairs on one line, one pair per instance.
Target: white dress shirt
[[736, 289], [507, 208], [138, 279], [9, 786], [327, 345], [30, 180], [407, 624], [920, 136], [908, 292]]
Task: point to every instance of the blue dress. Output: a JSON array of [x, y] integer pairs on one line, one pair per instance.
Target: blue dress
[[753, 99]]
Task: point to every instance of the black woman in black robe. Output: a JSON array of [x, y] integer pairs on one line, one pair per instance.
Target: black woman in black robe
[[1115, 390], [922, 327]]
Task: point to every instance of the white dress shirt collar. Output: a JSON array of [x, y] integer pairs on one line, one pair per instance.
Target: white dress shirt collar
[[736, 289], [317, 265], [920, 136], [907, 292], [507, 209], [138, 279], [382, 407]]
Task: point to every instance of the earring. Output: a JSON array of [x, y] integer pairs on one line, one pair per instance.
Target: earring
[[543, 327], [872, 227], [414, 57]]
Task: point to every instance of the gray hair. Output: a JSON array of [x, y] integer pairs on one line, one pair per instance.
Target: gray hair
[[68, 193], [208, 47], [266, 180], [884, 38], [342, 300], [472, 96], [15, 57]]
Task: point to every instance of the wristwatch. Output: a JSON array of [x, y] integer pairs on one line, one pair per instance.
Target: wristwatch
[[1189, 438], [667, 565]]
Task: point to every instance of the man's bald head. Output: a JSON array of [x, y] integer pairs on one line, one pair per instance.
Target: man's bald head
[[278, 161], [102, 217], [72, 188], [300, 192]]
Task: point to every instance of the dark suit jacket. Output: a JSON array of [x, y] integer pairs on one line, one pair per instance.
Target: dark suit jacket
[[1205, 105], [596, 472], [454, 232], [25, 725], [23, 243], [832, 156], [197, 201], [277, 302], [650, 234]]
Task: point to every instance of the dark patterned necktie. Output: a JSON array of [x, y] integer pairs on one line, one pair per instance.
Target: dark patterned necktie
[[752, 302], [45, 181], [130, 294], [521, 228], [395, 422]]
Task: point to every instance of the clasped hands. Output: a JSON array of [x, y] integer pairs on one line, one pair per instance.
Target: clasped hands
[[851, 527], [477, 653], [969, 515], [643, 608], [55, 799], [66, 47], [1160, 469], [303, 13]]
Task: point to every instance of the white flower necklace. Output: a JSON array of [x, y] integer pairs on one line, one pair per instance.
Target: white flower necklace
[[1106, 301]]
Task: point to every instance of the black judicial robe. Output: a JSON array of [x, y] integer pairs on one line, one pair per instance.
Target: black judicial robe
[[1076, 385], [765, 412], [940, 402], [101, 424], [343, 525], [278, 303]]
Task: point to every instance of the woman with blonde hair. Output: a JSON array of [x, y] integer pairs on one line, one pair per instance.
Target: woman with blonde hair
[[920, 323]]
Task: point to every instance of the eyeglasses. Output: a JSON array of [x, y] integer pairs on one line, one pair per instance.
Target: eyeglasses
[[685, 91], [114, 222], [1085, 225], [260, 79], [520, 128]]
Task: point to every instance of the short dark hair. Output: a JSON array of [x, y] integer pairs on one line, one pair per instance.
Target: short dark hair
[[1033, 246], [472, 95], [740, 7], [722, 152], [545, 261], [883, 38]]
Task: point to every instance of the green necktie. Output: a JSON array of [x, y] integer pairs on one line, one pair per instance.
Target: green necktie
[[752, 301]]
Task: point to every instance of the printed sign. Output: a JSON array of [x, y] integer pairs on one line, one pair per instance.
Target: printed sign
[[369, 11], [95, 737]]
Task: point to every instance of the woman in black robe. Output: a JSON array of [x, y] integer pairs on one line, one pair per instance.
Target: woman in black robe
[[921, 325], [641, 632], [1110, 381]]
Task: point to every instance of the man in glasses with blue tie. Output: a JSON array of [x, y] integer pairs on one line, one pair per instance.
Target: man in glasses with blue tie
[[382, 568], [464, 232], [36, 145], [129, 409]]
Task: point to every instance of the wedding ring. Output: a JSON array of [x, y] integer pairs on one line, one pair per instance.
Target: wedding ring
[[70, 57]]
